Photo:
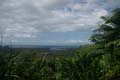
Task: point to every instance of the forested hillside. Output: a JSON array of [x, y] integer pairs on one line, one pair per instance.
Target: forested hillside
[[97, 61]]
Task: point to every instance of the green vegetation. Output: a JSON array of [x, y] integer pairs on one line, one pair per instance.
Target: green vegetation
[[98, 61]]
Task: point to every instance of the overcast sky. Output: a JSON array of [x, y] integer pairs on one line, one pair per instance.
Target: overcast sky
[[51, 22]]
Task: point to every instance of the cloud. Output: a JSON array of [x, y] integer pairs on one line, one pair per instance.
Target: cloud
[[27, 18], [72, 41]]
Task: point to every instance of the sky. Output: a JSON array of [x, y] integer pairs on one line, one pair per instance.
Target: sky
[[52, 22]]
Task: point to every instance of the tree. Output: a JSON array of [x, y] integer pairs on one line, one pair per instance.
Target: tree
[[107, 36], [1, 35], [109, 31]]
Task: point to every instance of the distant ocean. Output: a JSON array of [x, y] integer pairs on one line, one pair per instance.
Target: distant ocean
[[50, 47]]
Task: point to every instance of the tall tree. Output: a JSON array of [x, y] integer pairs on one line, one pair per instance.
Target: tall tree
[[109, 31], [107, 36], [1, 35]]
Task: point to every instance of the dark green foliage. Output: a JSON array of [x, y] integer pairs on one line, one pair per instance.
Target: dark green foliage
[[110, 30], [108, 37], [84, 65]]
